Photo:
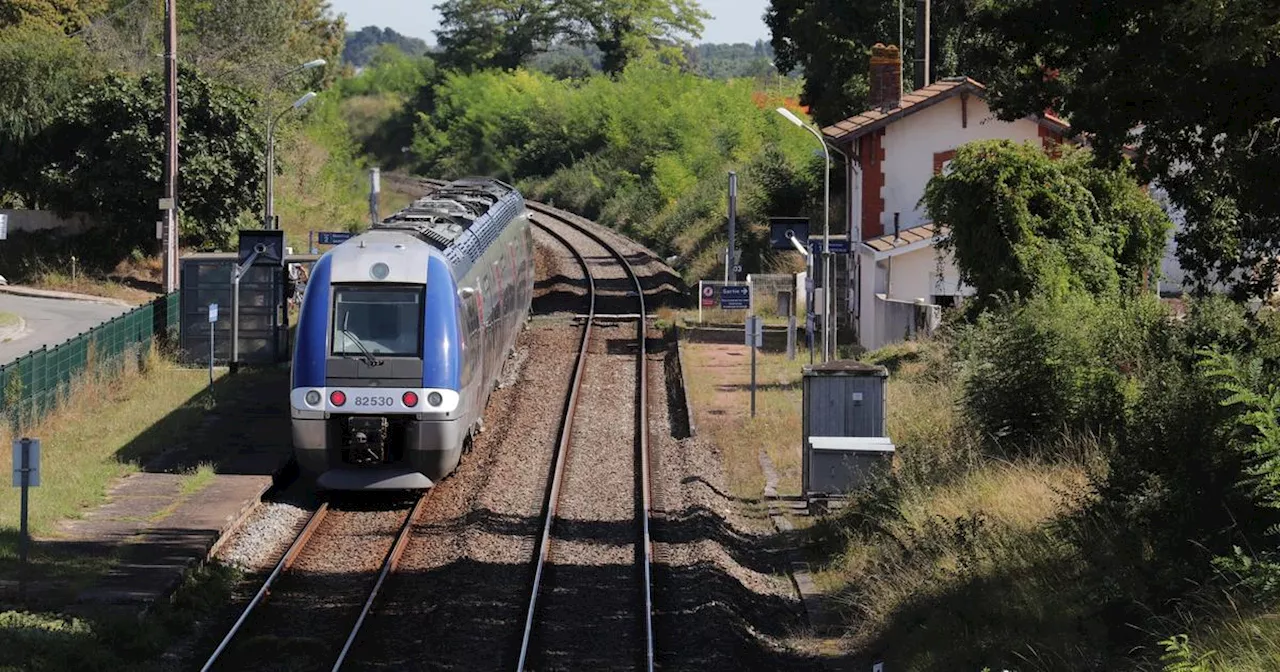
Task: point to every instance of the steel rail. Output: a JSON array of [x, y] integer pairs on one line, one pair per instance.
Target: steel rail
[[388, 566], [562, 449], [642, 421], [283, 565]]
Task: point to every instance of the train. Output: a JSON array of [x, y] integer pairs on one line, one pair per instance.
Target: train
[[402, 334]]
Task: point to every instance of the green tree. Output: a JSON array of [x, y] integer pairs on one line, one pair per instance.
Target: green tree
[[479, 34], [1186, 82], [361, 46], [1023, 222], [830, 41], [247, 42], [39, 70], [63, 16], [104, 153], [625, 29]]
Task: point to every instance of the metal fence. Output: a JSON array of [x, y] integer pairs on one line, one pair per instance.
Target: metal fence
[[32, 385]]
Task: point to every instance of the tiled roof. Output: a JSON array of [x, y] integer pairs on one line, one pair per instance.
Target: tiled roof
[[858, 125], [905, 237]]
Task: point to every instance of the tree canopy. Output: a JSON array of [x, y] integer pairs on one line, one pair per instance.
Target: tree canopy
[[479, 34], [831, 40], [1023, 222], [503, 34], [104, 153], [361, 46], [1188, 83]]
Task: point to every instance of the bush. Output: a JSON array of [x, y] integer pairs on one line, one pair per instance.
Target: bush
[[1052, 365], [647, 152]]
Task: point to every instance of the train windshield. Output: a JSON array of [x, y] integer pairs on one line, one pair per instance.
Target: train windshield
[[378, 320]]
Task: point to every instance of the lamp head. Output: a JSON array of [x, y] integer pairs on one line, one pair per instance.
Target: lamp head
[[306, 98], [790, 117], [314, 64]]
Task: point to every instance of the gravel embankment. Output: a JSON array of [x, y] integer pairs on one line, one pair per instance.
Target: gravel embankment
[[312, 607], [458, 600]]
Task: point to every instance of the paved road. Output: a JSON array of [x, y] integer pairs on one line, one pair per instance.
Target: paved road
[[51, 321]]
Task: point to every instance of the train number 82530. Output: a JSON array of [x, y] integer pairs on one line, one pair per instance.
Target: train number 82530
[[373, 401]]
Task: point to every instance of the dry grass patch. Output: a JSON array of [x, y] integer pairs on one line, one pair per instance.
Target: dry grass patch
[[104, 429], [719, 378]]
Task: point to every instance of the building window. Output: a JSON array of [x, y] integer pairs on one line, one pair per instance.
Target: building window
[[942, 161]]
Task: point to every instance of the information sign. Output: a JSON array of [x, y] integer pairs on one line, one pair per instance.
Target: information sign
[[735, 297], [333, 237], [708, 296], [33, 463], [213, 313], [755, 332], [838, 246], [4, 227]]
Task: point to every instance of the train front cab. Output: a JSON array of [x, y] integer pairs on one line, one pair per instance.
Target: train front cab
[[376, 400]]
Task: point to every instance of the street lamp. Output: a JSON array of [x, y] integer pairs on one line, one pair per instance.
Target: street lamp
[[271, 156], [826, 233], [268, 211]]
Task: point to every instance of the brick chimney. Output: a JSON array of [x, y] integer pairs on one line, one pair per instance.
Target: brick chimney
[[886, 77]]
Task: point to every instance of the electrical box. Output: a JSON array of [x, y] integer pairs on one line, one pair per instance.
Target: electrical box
[[845, 443]]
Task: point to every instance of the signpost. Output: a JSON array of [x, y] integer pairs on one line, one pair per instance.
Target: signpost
[[735, 297], [333, 237], [26, 475], [755, 338], [213, 319]]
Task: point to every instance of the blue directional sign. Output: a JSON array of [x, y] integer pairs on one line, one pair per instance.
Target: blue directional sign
[[735, 297], [838, 246], [332, 237]]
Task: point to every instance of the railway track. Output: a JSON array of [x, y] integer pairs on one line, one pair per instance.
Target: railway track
[[304, 543], [552, 636]]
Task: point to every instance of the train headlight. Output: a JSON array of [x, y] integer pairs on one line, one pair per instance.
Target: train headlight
[[337, 398], [410, 399], [313, 397], [380, 271], [435, 399]]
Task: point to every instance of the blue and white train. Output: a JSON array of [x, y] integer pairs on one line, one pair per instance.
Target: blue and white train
[[402, 335]]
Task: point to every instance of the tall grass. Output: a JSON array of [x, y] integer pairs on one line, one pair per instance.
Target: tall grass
[[102, 417]]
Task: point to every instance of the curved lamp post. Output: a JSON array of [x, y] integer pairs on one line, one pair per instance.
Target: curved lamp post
[[268, 211], [271, 157], [826, 234]]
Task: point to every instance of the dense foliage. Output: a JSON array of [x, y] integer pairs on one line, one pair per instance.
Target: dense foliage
[[505, 34], [361, 46], [103, 153], [647, 152], [1186, 81], [1022, 222], [830, 42]]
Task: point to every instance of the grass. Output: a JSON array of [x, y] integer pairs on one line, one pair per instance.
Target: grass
[[718, 379], [39, 641], [100, 433], [9, 319], [198, 479]]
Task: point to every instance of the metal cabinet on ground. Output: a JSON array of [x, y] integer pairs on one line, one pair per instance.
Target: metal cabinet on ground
[[844, 433]]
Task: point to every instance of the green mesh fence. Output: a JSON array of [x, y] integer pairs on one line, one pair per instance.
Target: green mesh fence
[[32, 385]]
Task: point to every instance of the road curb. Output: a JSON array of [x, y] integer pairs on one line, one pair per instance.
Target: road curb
[[66, 296]]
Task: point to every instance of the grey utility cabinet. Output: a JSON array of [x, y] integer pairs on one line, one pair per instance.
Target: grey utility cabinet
[[845, 439]]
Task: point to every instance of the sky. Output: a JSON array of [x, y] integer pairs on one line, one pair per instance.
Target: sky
[[732, 20]]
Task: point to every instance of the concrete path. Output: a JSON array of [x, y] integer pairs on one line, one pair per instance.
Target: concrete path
[[149, 531], [50, 321]]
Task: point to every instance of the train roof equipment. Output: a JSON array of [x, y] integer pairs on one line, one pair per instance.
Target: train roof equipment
[[460, 218]]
